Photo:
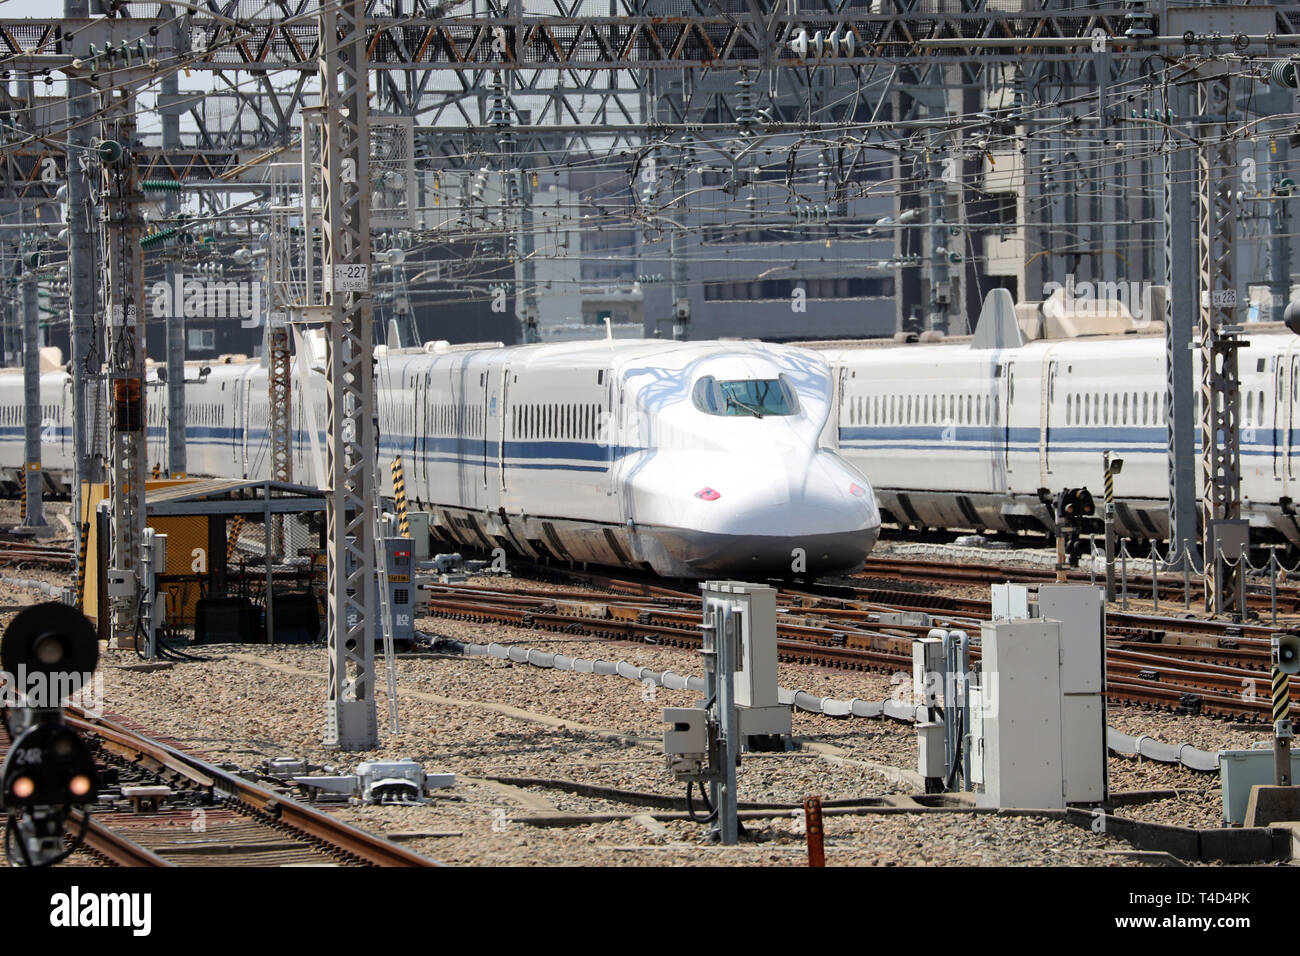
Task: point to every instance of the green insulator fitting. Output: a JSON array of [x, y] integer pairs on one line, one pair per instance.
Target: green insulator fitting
[[158, 238], [161, 186], [110, 152]]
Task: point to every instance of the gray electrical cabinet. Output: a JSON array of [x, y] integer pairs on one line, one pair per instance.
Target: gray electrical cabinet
[[1017, 716], [751, 610], [399, 556], [400, 563], [1039, 734], [420, 539]]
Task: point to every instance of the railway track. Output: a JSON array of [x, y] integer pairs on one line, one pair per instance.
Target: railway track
[[1170, 586], [1207, 670], [30, 553], [210, 816]]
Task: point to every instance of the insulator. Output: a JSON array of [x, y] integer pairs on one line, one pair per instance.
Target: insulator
[[158, 238]]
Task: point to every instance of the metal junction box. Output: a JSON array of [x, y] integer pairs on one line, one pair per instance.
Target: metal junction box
[[1042, 713], [400, 564], [418, 521], [752, 608], [1242, 770]]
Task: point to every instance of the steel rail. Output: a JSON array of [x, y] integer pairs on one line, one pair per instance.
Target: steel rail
[[1175, 685], [113, 846], [321, 827]]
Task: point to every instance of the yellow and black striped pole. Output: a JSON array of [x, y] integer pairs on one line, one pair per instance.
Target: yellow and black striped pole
[[1109, 518], [82, 547], [1284, 648], [399, 497]]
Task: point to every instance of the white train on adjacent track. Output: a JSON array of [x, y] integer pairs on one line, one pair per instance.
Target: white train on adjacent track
[[957, 437], [691, 459]]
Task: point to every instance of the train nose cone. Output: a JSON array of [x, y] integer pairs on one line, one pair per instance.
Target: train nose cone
[[781, 512]]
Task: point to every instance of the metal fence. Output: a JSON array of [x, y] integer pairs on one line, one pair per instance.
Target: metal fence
[[1174, 576]]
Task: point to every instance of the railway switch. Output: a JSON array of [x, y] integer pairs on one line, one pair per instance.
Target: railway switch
[[387, 782]]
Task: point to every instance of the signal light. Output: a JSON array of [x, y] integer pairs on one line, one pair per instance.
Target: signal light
[[128, 404], [63, 773], [707, 494], [1075, 503], [49, 638]]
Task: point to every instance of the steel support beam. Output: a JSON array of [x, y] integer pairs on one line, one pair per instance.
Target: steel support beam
[[1217, 340], [83, 272], [34, 511], [175, 334], [351, 721], [1181, 311], [128, 439]]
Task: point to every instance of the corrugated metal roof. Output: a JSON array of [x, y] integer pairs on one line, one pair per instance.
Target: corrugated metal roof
[[209, 489]]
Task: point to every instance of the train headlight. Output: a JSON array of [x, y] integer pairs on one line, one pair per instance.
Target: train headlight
[[857, 491], [707, 494]]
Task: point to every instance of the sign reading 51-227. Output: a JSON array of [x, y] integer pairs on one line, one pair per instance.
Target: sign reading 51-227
[[351, 278]]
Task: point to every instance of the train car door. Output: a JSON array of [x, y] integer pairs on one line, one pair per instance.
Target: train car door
[[503, 414], [840, 402], [1007, 398], [1292, 422], [1279, 418], [1045, 401], [610, 432], [237, 445], [65, 420], [416, 465]]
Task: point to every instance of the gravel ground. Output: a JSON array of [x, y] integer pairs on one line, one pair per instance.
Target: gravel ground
[[482, 718]]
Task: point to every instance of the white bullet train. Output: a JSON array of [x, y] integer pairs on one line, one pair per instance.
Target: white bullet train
[[959, 436], [691, 459]]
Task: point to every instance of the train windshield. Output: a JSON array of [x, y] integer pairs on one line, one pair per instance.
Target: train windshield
[[756, 398]]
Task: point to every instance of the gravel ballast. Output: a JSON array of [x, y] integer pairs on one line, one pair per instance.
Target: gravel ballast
[[483, 718]]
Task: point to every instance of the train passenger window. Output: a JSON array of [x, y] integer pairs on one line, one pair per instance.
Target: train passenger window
[[1261, 405], [1124, 418]]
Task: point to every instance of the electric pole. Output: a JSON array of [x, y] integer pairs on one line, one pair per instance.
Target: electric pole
[[351, 720], [127, 433]]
